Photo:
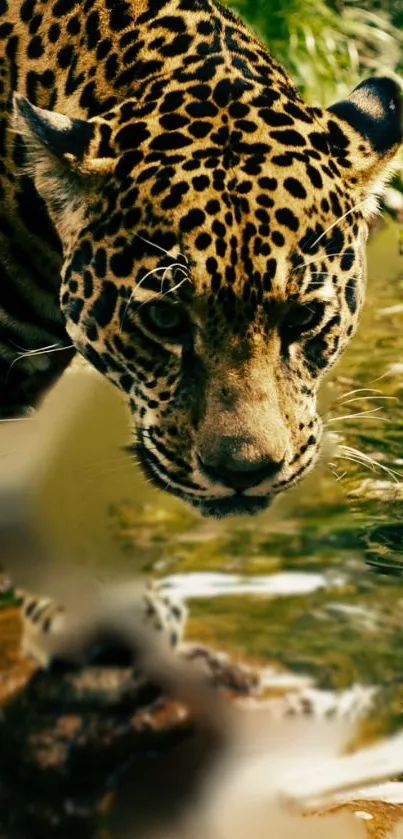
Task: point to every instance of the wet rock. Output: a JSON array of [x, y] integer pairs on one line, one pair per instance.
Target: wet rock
[[78, 748]]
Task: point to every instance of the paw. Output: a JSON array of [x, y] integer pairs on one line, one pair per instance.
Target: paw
[[50, 633], [42, 620], [164, 614]]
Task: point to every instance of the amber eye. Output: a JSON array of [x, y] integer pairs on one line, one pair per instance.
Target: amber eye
[[168, 320], [302, 318]]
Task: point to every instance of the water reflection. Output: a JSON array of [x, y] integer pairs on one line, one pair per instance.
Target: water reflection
[[203, 584]]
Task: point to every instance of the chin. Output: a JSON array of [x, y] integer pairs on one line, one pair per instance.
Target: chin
[[235, 505]]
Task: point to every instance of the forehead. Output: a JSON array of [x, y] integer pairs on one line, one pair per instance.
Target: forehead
[[237, 139], [229, 164], [239, 229], [238, 178]]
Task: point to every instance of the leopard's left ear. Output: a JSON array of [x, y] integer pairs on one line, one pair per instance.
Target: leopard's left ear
[[76, 143], [368, 132]]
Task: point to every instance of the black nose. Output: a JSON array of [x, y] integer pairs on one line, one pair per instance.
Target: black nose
[[249, 475]]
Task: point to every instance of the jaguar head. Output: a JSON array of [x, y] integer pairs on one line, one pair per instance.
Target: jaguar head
[[214, 268]]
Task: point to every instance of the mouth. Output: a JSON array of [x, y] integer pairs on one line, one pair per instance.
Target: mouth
[[212, 507], [235, 505]]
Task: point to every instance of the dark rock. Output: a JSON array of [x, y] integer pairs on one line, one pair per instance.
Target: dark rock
[[84, 753]]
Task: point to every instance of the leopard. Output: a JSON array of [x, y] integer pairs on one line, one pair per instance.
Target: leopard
[[173, 211]]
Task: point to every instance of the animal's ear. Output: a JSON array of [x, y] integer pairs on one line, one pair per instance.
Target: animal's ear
[[368, 132], [63, 156]]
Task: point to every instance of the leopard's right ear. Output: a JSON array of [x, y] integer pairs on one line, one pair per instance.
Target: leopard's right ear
[[374, 110], [367, 134], [64, 156]]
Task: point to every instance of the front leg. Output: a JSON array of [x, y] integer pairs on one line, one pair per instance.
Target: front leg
[[51, 632]]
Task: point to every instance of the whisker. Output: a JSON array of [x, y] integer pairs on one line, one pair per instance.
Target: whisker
[[360, 390], [52, 348], [88, 469], [359, 460], [170, 290], [18, 419], [163, 278], [396, 476], [149, 274], [314, 261], [335, 223], [358, 453], [40, 351], [164, 269], [27, 351], [368, 398], [366, 460], [384, 376], [116, 470], [154, 245], [178, 269], [178, 285], [354, 416], [356, 461], [338, 477], [370, 414]]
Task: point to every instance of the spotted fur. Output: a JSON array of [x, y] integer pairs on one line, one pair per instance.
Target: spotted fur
[[51, 633], [173, 210]]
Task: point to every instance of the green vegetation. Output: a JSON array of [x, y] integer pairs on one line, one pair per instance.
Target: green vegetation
[[329, 45]]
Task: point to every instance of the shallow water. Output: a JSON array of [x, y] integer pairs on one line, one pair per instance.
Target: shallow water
[[302, 584]]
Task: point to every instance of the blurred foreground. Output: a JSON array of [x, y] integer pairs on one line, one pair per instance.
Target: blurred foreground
[[135, 741]]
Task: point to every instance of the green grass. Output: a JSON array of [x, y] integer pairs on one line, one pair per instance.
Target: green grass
[[328, 47]]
